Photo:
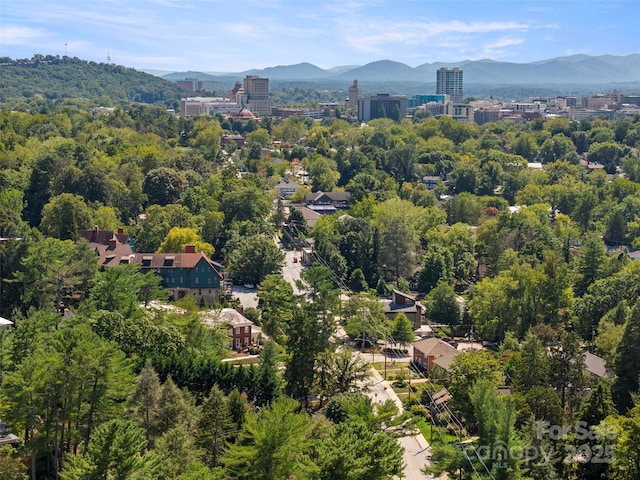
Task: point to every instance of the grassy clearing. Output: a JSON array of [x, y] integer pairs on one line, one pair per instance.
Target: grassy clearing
[[437, 435], [394, 369]]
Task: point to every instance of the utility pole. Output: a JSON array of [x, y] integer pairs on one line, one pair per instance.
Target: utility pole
[[385, 358], [362, 345]]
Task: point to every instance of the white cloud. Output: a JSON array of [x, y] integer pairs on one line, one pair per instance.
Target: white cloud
[[12, 35], [504, 42], [244, 31], [424, 33]]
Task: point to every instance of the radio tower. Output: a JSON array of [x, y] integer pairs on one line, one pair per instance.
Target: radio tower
[[108, 57]]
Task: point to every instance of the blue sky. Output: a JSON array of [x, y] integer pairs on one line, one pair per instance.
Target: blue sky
[[233, 36]]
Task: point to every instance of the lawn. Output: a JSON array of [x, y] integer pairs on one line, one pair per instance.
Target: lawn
[[440, 436], [394, 369]]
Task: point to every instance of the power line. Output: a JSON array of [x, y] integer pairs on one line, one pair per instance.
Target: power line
[[340, 283]]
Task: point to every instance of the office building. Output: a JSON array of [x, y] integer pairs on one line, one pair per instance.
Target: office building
[[418, 100], [191, 84], [256, 95], [208, 106], [352, 101], [486, 115], [449, 82], [382, 105]]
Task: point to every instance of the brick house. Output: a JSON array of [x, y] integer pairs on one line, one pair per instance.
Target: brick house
[[427, 351], [241, 333], [407, 304]]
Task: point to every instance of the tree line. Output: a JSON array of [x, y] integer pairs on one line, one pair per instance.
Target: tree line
[[523, 247]]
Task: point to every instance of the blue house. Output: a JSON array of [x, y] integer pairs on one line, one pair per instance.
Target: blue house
[[183, 274]]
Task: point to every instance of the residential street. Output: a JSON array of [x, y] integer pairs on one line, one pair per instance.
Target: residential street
[[292, 269], [416, 448]]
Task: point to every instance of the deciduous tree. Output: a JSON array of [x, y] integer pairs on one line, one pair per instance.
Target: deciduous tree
[[253, 258], [178, 238], [64, 216]]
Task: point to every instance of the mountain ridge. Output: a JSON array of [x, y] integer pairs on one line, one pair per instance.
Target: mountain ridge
[[581, 69]]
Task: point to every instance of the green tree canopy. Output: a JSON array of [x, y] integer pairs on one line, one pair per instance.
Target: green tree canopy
[[252, 258], [64, 216], [177, 239]]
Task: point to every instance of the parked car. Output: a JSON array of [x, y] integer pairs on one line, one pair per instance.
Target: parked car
[[249, 286], [489, 345], [451, 341]]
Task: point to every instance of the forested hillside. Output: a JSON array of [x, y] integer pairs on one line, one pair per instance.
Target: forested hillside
[[533, 259], [56, 77]]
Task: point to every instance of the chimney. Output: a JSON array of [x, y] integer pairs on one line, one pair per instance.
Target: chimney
[[190, 248], [121, 231], [112, 243], [240, 309], [96, 229]]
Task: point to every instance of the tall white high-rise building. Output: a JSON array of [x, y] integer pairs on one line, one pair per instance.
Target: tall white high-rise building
[[449, 82]]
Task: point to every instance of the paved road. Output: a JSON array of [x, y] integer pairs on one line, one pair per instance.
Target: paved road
[[292, 269], [416, 448], [290, 272], [247, 296]]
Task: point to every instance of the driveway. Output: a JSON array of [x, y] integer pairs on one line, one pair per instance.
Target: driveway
[[416, 448], [290, 272], [247, 296]]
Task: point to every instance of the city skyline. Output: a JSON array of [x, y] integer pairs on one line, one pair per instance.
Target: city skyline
[[223, 36]]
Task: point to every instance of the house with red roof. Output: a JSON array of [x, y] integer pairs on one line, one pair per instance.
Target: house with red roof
[[105, 237], [112, 248], [189, 273]]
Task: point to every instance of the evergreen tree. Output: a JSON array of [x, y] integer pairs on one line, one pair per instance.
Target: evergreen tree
[[357, 282], [567, 371], [173, 408], [354, 452], [179, 454], [237, 408], [628, 363], [116, 451], [268, 381], [595, 408], [274, 443], [590, 264], [303, 348], [215, 427], [533, 370], [144, 400]]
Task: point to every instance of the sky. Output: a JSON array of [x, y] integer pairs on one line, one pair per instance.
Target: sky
[[235, 36]]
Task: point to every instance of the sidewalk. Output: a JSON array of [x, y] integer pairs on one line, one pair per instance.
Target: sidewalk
[[416, 448]]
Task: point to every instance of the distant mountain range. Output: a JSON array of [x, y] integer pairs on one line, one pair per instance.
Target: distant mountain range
[[575, 69]]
